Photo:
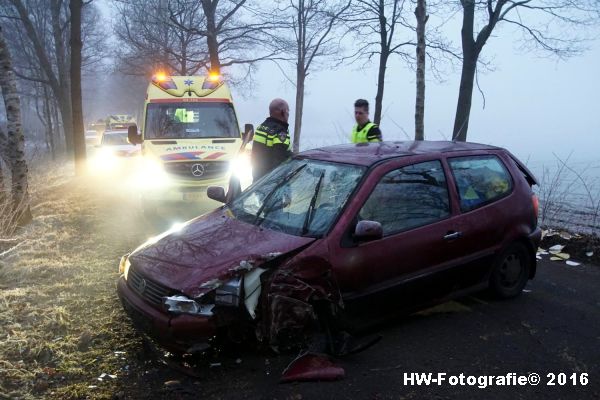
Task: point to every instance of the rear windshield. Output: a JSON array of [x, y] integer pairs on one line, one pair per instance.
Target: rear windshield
[[190, 121], [114, 139]]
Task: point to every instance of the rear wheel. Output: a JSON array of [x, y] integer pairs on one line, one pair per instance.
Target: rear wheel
[[511, 271]]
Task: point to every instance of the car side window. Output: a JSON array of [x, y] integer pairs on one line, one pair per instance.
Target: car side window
[[480, 180], [408, 197]]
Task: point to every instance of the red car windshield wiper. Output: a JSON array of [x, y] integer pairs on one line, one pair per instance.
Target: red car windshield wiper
[[280, 184], [311, 207]]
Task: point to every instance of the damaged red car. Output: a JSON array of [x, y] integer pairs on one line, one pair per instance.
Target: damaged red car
[[355, 229]]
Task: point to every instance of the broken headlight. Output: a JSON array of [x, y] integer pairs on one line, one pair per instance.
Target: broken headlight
[[124, 265], [230, 293], [184, 305]]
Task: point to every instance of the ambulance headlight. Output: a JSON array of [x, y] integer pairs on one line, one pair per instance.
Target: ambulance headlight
[[151, 174]]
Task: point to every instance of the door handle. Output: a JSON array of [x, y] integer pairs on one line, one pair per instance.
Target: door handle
[[452, 235]]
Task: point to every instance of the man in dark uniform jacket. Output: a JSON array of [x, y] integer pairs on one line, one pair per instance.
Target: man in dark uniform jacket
[[271, 140]]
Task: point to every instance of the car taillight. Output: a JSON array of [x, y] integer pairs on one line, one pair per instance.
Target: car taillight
[[536, 205]]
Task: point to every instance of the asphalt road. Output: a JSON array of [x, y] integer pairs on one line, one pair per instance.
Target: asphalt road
[[552, 328]]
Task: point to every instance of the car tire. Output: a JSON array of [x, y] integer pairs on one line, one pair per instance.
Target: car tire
[[510, 271]]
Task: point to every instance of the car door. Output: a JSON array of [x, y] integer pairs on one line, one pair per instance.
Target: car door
[[412, 203], [484, 187]]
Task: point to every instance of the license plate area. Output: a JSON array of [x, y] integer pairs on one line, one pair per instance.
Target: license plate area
[[192, 196]]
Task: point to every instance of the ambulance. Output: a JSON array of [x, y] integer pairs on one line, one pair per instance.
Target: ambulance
[[190, 140]]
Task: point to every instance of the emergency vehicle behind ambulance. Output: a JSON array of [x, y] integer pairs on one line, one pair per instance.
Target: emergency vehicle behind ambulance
[[190, 140]]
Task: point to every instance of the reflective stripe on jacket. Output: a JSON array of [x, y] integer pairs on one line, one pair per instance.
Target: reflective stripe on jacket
[[363, 136]]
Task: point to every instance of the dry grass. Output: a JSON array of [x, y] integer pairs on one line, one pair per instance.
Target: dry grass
[[60, 320]]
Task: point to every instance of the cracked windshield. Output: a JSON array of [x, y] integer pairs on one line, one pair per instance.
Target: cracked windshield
[[302, 197]]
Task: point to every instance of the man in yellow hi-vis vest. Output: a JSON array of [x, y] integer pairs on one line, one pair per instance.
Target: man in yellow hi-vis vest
[[364, 131], [271, 144]]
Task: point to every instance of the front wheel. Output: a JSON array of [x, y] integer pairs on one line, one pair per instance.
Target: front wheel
[[510, 271]]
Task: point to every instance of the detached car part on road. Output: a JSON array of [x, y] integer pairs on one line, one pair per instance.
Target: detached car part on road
[[335, 232]]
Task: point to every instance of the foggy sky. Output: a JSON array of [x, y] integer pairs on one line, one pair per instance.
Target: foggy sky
[[535, 105]]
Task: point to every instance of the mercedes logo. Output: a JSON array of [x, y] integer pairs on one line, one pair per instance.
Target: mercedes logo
[[142, 286], [197, 170]]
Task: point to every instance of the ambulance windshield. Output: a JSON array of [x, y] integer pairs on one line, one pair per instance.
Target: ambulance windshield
[[190, 120]]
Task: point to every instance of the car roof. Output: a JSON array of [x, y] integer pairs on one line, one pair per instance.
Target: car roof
[[370, 153]]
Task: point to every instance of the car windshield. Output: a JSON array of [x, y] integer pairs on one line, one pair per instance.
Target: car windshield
[[114, 139], [301, 197], [191, 121]]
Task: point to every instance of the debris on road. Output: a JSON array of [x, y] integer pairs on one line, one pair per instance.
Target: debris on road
[[312, 367]]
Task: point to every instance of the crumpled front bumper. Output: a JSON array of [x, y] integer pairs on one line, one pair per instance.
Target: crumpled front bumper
[[174, 332]]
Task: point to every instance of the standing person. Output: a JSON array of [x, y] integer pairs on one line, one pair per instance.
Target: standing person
[[271, 140], [364, 131]]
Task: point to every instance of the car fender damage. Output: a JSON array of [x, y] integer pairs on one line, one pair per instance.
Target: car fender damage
[[297, 294], [283, 297]]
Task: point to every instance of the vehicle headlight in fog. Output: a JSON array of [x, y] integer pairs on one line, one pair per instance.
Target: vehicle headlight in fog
[[124, 265], [151, 174], [240, 166], [104, 160]]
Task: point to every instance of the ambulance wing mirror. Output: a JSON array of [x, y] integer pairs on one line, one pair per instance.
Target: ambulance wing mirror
[[133, 136], [248, 133]]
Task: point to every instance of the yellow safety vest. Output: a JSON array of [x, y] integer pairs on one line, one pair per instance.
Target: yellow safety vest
[[361, 136]]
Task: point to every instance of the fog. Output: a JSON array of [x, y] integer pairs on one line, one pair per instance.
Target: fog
[[535, 105]]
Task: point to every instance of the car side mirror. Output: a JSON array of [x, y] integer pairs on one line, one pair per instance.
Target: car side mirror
[[248, 133], [368, 230], [216, 193], [133, 136]]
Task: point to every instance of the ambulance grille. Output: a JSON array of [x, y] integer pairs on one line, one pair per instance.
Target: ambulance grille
[[185, 170]]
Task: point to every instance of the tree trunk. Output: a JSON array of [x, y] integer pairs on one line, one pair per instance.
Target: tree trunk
[[64, 96], [465, 95], [77, 109], [470, 55], [40, 114], [299, 109], [15, 139], [383, 57], [49, 125], [421, 14], [2, 185], [211, 35]]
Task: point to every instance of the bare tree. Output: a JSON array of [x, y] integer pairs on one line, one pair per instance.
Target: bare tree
[[422, 17], [13, 146], [235, 33], [75, 79], [550, 25], [39, 38], [307, 37], [381, 30], [151, 38], [57, 79]]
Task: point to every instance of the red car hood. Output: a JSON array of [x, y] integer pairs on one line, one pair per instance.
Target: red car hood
[[208, 248]]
